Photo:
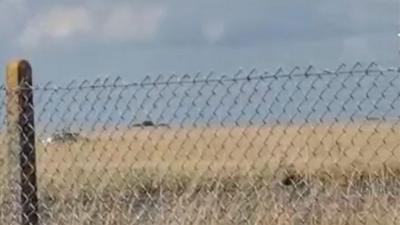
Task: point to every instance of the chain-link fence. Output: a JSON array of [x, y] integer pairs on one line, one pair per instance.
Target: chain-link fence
[[290, 147]]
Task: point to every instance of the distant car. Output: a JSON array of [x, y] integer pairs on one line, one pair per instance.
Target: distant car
[[65, 136], [149, 123]]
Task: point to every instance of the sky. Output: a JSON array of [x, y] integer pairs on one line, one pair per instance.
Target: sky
[[87, 39]]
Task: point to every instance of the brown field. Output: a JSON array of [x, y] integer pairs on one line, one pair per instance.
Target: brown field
[[337, 148], [345, 174]]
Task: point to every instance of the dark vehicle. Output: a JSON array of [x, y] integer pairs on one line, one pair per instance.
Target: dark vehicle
[[149, 123], [65, 136]]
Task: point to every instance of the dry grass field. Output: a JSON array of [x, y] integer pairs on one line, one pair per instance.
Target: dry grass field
[[309, 149], [322, 174]]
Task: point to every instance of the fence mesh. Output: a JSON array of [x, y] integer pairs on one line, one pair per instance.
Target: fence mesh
[[289, 147]]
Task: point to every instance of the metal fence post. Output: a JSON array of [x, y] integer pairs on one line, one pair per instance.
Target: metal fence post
[[21, 140]]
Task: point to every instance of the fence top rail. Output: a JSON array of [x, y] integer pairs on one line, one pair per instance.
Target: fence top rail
[[370, 69]]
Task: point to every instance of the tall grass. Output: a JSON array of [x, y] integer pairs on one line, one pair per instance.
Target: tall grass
[[339, 173]]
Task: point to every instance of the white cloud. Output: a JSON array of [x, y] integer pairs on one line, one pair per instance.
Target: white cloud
[[58, 23], [117, 22], [213, 31], [132, 23]]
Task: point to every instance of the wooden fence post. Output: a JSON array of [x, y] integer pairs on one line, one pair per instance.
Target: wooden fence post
[[21, 139]]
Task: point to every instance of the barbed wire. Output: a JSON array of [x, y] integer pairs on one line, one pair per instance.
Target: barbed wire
[[198, 78]]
